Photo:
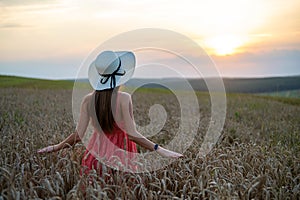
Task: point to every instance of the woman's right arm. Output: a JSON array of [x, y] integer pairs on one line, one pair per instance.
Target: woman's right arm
[[135, 136]]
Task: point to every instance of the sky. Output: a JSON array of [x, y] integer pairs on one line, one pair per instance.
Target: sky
[[51, 38]]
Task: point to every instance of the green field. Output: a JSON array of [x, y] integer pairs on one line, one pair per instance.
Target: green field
[[20, 82], [289, 97], [287, 94]]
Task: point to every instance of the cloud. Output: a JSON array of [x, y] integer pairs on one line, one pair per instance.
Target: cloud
[[276, 62], [49, 68], [21, 14], [16, 7], [23, 3], [264, 56], [13, 25]]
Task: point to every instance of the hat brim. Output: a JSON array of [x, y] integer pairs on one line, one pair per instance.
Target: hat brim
[[127, 66]]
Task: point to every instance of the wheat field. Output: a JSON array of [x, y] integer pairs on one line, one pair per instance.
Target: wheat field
[[257, 156]]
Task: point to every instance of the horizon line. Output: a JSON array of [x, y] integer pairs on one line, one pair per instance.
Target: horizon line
[[212, 77]]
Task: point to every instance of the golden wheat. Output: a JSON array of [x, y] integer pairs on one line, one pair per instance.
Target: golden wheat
[[256, 158]]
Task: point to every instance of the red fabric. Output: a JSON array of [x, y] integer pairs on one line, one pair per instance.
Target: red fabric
[[114, 150]]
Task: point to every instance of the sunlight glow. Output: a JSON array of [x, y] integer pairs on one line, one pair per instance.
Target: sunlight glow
[[225, 44]]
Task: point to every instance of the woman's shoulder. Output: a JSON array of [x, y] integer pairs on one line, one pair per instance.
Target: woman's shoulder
[[124, 95], [87, 98]]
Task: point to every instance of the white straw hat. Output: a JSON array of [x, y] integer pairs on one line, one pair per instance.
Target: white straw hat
[[111, 69]]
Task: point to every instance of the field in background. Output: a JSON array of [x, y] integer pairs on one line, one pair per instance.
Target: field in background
[[20, 82], [257, 156], [287, 94], [232, 85], [274, 86]]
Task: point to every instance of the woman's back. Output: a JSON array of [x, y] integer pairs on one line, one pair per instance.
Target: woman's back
[[112, 148], [121, 104]]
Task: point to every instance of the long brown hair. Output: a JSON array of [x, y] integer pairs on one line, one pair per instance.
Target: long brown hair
[[105, 106]]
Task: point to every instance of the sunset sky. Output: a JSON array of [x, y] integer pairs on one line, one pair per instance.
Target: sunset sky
[[51, 38]]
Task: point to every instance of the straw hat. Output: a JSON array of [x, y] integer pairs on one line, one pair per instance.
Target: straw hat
[[111, 69]]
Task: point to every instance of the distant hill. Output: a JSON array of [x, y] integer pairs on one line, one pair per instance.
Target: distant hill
[[259, 85], [232, 85]]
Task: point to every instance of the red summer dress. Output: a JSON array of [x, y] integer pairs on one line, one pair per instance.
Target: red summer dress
[[109, 150]]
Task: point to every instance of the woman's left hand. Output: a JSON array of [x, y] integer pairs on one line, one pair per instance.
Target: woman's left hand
[[48, 149]]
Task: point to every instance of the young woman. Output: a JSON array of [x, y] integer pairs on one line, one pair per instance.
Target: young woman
[[110, 113]]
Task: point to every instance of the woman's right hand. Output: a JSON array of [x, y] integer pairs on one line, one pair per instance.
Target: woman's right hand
[[168, 153]]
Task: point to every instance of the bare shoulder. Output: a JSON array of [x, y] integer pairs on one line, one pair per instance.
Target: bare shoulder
[[87, 98], [124, 97]]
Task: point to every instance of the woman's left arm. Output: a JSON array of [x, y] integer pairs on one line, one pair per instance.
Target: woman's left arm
[[69, 141], [74, 137]]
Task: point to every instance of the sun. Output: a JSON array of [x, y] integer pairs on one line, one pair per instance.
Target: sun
[[224, 44]]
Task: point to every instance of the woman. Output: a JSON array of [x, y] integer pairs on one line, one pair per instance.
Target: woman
[[111, 115]]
